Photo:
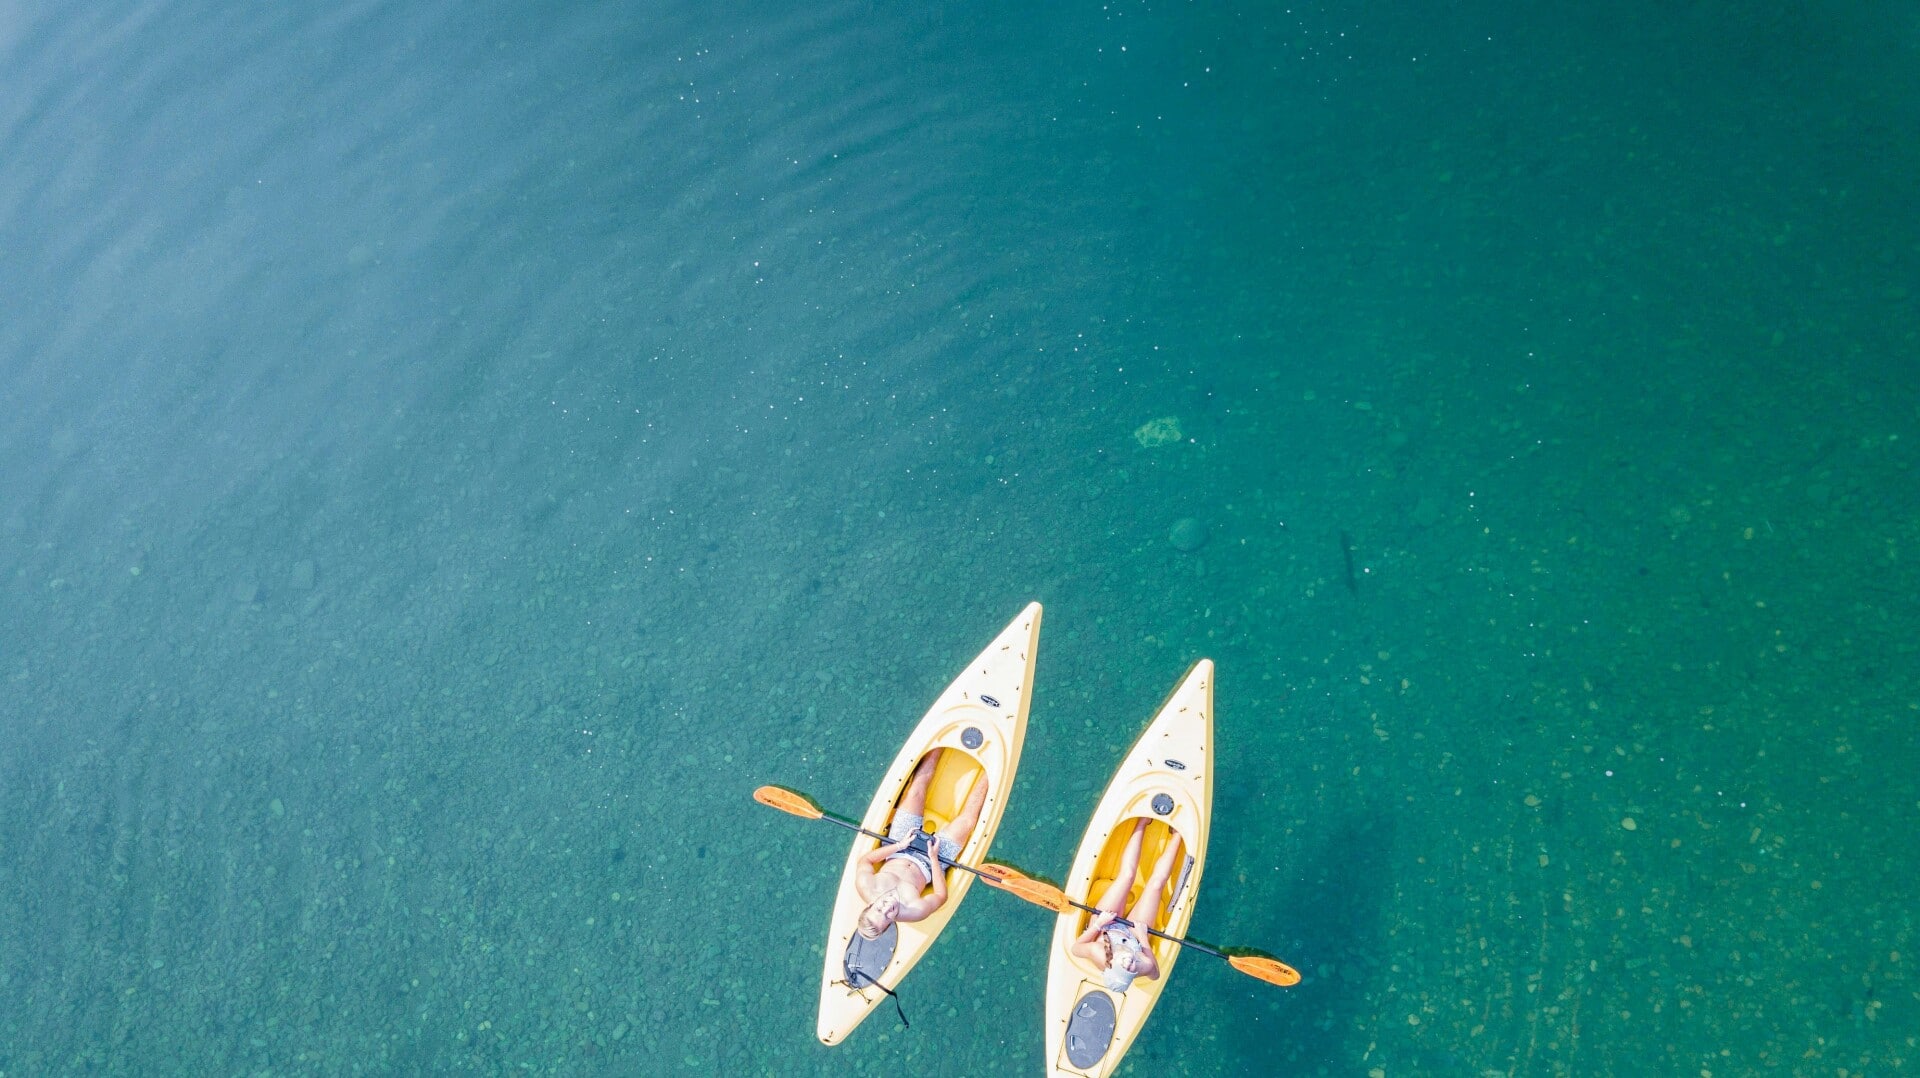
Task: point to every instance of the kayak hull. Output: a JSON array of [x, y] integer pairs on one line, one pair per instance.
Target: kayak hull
[[1166, 778], [981, 719]]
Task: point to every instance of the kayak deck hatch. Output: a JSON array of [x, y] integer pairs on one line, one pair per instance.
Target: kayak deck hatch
[[1090, 1030]]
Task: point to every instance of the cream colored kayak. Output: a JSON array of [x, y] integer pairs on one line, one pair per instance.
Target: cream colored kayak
[[1166, 778], [981, 720]]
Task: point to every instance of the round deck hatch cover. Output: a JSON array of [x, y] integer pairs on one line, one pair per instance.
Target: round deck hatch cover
[[867, 958], [1090, 1030], [1162, 804], [971, 737]]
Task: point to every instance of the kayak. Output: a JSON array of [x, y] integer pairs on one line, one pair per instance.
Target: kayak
[[1167, 779], [981, 722]]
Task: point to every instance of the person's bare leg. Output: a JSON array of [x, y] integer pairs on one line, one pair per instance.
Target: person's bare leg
[[915, 801], [962, 826], [1114, 899], [1147, 909]]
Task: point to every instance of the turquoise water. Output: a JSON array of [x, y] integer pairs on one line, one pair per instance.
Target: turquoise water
[[455, 452]]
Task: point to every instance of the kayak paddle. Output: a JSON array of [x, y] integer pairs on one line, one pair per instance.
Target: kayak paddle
[[1039, 892]]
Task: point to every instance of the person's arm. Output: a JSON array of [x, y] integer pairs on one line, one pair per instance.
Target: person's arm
[[1084, 945], [939, 880], [863, 879], [883, 852], [918, 907], [1096, 926]]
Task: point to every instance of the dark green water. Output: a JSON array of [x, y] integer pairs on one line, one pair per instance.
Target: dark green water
[[452, 453]]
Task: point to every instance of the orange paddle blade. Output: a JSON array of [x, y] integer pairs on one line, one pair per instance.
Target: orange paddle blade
[[1034, 891], [1270, 970], [788, 801], [992, 871]]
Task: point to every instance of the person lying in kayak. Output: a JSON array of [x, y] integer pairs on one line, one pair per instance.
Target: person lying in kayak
[[894, 889], [1123, 952]]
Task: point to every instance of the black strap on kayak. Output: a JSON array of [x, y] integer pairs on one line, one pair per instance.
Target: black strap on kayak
[[866, 959], [853, 975]]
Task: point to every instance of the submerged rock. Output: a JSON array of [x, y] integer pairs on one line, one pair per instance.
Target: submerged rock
[[1188, 534], [1158, 432]]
